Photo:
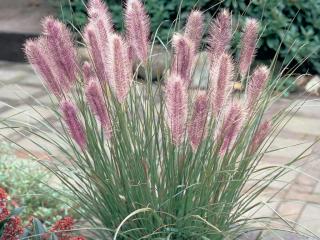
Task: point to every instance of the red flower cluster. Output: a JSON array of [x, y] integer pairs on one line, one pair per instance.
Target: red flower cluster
[[4, 213], [12, 229], [62, 229]]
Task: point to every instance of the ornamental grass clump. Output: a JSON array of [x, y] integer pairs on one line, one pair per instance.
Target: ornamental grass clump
[[160, 160]]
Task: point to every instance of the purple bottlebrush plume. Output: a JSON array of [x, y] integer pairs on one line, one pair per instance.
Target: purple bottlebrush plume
[[74, 125], [97, 52], [38, 57], [230, 127], [220, 34], [98, 106], [248, 46], [176, 105], [100, 19], [221, 74], [260, 135], [137, 24], [87, 72], [61, 49], [97, 9], [256, 85], [196, 128], [184, 54], [194, 28], [120, 67]]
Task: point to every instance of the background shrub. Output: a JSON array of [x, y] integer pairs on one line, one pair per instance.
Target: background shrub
[[296, 23], [27, 185]]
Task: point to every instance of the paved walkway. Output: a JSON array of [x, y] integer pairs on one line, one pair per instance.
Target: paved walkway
[[299, 199]]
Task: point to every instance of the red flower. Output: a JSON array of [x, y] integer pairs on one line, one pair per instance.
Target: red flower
[[4, 213], [77, 238], [63, 224], [12, 229], [3, 197]]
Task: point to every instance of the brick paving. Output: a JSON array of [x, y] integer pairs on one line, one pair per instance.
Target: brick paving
[[299, 199]]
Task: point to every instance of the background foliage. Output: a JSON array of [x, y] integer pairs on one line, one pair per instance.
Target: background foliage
[[27, 186], [294, 22]]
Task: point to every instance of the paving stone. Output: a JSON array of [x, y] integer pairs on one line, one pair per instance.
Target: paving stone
[[304, 125], [290, 210], [10, 76], [288, 149], [317, 189], [310, 218], [17, 93]]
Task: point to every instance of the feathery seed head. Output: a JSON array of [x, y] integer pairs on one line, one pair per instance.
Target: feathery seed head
[[60, 47], [184, 54], [91, 36], [260, 135], [137, 24], [120, 67], [221, 74], [196, 128], [194, 28], [98, 106], [230, 127], [74, 125], [40, 61], [256, 85], [248, 45], [176, 105], [220, 34]]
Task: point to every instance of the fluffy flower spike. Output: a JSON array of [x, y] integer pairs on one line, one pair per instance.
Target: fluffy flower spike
[[37, 55], [256, 85], [120, 68], [137, 24], [176, 104], [92, 39], [183, 57], [196, 129], [230, 127], [97, 9], [220, 34], [248, 45], [98, 106], [61, 49], [221, 75], [260, 135], [194, 28], [74, 125]]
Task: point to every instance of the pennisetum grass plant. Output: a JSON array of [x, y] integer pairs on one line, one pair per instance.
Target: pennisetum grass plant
[[158, 160]]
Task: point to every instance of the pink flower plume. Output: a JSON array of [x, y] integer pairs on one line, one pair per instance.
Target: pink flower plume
[[248, 45], [137, 24], [256, 85], [97, 52], [74, 125], [220, 34], [194, 28], [98, 106], [61, 49], [230, 127], [221, 74], [37, 56], [260, 135], [184, 54], [196, 129], [120, 67], [176, 104]]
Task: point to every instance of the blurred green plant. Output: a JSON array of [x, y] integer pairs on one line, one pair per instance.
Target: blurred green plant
[[27, 186], [293, 23]]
